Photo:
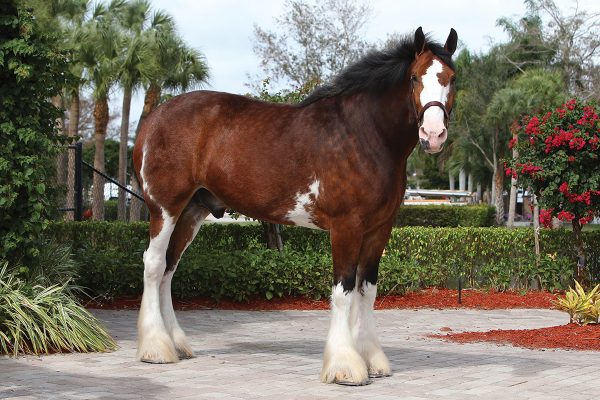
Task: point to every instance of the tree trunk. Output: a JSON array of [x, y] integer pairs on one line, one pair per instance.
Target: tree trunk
[[272, 233], [451, 180], [479, 192], [61, 158], [470, 182], [151, 100], [581, 273], [123, 162], [512, 199], [498, 190], [100, 125], [73, 130], [536, 227], [462, 180]]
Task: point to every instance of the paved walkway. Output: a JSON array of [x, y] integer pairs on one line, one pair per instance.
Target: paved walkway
[[277, 355]]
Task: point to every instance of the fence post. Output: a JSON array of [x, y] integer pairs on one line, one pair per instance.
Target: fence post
[[78, 192]]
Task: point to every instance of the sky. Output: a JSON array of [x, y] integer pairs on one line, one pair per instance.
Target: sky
[[223, 29]]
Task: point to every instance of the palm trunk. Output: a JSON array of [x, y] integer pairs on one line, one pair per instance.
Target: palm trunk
[[498, 189], [581, 273], [73, 130], [151, 99], [512, 200], [122, 207], [100, 125], [61, 158]]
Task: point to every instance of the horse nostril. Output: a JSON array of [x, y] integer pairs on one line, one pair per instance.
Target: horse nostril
[[443, 134], [424, 144]]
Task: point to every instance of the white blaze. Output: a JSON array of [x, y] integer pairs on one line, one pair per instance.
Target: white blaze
[[301, 213], [433, 91]]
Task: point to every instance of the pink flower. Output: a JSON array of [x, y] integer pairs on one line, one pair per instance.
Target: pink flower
[[565, 216], [564, 188], [533, 127], [546, 217]]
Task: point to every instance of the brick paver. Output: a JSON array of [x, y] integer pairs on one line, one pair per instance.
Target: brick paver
[[277, 355]]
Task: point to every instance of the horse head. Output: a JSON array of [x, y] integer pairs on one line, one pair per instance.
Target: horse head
[[433, 91]]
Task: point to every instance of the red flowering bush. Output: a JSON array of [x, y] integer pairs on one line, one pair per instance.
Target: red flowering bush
[[558, 159]]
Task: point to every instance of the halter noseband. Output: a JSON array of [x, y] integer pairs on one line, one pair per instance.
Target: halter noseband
[[432, 104], [419, 115]]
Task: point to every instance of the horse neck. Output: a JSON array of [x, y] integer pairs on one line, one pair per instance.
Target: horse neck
[[390, 116]]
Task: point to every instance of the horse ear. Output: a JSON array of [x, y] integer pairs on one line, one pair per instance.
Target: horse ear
[[419, 40], [451, 42]]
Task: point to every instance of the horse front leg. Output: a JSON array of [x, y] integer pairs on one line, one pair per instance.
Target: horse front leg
[[342, 363], [363, 321], [155, 345]]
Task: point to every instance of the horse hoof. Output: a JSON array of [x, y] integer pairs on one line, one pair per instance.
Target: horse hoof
[[150, 361], [184, 355], [378, 375], [350, 383]]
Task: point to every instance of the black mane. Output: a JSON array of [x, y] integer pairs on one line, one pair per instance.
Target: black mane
[[377, 70]]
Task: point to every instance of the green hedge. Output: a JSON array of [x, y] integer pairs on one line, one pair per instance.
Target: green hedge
[[444, 215], [230, 260]]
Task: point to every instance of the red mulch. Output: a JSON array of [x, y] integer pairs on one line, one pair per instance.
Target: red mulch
[[428, 298], [570, 336]]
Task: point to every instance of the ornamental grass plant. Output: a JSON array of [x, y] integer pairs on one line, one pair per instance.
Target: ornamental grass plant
[[40, 312], [582, 306]]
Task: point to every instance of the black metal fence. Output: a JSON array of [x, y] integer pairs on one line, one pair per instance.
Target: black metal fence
[[79, 195]]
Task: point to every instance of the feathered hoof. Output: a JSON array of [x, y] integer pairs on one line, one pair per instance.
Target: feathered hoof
[[157, 349], [345, 369]]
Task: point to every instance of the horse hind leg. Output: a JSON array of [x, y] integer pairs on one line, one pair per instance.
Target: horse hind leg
[[154, 343], [185, 230]]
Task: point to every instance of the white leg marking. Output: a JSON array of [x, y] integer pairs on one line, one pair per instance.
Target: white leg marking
[[154, 342], [301, 213], [363, 331], [341, 361], [184, 350]]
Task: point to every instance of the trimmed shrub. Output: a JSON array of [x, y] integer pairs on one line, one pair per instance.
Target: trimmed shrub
[[230, 260], [444, 215]]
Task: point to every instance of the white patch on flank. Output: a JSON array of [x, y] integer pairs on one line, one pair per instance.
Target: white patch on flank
[[433, 91], [301, 214], [341, 361], [363, 330], [145, 186], [154, 342]]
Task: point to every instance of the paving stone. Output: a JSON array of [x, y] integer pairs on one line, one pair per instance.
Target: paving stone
[[275, 355]]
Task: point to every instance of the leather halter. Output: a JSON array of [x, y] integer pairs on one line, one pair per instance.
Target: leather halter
[[419, 115], [432, 104]]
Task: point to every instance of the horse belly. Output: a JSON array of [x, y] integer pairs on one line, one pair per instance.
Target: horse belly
[[270, 200]]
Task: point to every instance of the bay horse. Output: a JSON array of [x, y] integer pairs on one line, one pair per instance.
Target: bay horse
[[336, 161]]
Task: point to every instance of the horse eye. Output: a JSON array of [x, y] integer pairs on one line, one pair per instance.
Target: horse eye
[[414, 78], [453, 80]]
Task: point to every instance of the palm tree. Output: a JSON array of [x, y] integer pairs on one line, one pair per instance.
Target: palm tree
[[100, 55], [179, 69], [137, 64], [71, 16]]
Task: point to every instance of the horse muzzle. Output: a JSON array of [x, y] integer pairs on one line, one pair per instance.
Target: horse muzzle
[[433, 130], [432, 140]]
